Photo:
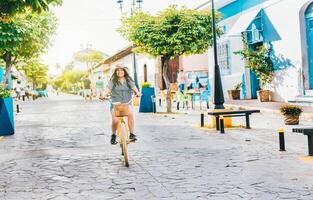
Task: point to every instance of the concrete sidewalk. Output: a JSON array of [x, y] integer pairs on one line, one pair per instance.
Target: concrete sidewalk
[[267, 107]]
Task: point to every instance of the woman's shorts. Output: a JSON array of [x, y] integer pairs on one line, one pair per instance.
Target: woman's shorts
[[130, 106]]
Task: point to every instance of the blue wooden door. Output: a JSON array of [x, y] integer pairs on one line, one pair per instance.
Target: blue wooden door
[[309, 33], [255, 84]]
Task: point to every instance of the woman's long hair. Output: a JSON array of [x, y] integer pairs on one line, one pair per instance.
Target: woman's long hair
[[114, 77]]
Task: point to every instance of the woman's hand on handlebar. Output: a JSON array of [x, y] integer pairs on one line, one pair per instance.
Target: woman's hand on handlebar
[[102, 98], [138, 94]]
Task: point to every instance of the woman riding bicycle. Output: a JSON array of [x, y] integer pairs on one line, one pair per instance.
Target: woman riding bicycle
[[120, 87]]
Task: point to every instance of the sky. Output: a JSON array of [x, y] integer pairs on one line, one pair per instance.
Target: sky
[[94, 22]]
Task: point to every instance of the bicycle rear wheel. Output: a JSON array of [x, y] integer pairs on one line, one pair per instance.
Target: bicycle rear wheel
[[124, 138]]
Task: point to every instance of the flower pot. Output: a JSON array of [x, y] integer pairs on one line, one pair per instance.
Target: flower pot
[[263, 95], [234, 94], [146, 104], [6, 117], [291, 120]]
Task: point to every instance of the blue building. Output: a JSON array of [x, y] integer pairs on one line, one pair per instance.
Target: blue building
[[284, 25]]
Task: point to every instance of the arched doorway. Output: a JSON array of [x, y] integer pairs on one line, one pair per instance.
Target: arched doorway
[[309, 39]]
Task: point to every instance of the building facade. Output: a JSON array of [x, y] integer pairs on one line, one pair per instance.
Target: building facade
[[146, 66], [286, 26]]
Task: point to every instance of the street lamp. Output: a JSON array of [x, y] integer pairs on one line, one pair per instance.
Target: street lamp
[[218, 99], [136, 4]]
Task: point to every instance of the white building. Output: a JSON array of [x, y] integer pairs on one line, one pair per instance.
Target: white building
[[286, 26]]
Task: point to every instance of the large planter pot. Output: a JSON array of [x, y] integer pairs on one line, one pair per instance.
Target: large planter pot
[[291, 120], [6, 117], [263, 95], [234, 94], [146, 104]]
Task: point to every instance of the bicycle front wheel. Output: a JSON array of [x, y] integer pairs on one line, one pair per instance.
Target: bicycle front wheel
[[124, 138]]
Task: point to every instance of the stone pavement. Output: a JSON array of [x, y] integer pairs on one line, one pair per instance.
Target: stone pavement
[[61, 151]]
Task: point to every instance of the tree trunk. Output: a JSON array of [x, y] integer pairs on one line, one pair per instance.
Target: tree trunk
[[8, 67], [167, 85]]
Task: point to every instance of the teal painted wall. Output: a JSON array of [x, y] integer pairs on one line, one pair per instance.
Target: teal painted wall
[[237, 7], [1, 74]]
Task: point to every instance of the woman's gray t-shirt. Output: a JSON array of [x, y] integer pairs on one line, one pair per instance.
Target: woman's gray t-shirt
[[121, 92]]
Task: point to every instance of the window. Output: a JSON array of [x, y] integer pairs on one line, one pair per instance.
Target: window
[[223, 53]]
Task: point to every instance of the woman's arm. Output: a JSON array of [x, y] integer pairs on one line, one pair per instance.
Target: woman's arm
[[136, 91], [107, 91]]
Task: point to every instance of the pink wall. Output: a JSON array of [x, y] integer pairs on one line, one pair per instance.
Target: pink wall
[[198, 62]]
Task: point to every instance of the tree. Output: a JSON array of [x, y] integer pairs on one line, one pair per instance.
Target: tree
[[69, 66], [89, 56], [171, 33], [69, 79], [259, 61], [36, 73], [9, 7], [26, 36]]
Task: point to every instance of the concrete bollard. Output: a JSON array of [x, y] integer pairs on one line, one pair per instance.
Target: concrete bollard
[[281, 133], [17, 108], [202, 119], [222, 129]]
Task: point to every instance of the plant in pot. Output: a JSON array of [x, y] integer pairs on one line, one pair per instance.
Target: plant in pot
[[260, 62], [146, 104], [235, 93], [291, 114], [6, 112]]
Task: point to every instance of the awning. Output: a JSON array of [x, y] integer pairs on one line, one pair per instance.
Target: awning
[[243, 22]]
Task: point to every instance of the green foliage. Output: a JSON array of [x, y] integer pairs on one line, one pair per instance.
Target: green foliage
[[4, 93], [69, 79], [36, 73], [69, 66], [146, 85], [238, 86], [260, 62], [290, 110], [172, 32], [11, 7], [27, 35]]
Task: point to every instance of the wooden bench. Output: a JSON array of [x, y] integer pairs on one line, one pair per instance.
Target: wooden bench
[[231, 113], [308, 132]]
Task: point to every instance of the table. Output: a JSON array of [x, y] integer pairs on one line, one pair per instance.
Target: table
[[193, 93]]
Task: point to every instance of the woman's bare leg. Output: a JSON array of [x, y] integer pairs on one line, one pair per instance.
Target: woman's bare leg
[[115, 121], [131, 122]]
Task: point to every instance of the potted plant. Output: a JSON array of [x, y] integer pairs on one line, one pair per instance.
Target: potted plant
[[146, 104], [6, 112], [291, 114], [260, 62], [235, 93]]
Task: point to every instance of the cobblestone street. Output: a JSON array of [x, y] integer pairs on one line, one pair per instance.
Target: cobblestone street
[[61, 151]]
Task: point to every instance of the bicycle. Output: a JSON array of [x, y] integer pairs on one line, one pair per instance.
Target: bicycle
[[121, 110]]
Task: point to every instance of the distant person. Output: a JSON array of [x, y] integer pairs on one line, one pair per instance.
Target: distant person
[[28, 92], [87, 88], [197, 85], [18, 90], [99, 87], [182, 81]]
